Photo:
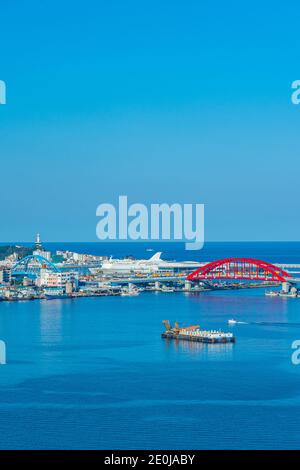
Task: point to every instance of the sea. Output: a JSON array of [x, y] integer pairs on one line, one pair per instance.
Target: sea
[[94, 373]]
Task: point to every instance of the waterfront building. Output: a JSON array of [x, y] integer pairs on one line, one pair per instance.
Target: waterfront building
[[5, 276], [52, 279], [69, 287]]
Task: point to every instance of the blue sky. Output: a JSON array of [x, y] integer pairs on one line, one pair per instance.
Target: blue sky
[[164, 101]]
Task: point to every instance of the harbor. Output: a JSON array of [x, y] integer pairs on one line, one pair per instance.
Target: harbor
[[37, 273], [149, 244], [98, 364]]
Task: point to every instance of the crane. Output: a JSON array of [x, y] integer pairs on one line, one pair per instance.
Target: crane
[[176, 329]]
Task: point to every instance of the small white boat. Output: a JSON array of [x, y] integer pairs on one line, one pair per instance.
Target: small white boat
[[133, 292], [236, 322], [129, 294]]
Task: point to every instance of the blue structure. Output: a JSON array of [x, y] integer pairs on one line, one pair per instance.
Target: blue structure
[[31, 265]]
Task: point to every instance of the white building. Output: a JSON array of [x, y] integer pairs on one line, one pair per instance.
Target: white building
[[10, 260], [44, 254], [52, 279], [79, 258]]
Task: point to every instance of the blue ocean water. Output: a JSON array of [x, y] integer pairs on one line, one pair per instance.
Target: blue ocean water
[[94, 373], [275, 252]]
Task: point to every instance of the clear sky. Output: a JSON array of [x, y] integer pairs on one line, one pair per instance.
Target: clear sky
[[164, 101]]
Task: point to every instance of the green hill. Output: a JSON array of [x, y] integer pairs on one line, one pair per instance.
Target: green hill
[[10, 249]]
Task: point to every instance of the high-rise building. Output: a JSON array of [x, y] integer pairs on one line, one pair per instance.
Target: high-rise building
[[38, 244], [39, 250]]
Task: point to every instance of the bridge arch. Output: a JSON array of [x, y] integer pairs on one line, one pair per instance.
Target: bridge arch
[[26, 265], [240, 268]]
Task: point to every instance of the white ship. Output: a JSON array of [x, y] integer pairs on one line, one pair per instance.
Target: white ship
[[151, 265]]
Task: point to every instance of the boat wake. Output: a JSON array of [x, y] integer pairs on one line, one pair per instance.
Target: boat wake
[[267, 323], [262, 323], [235, 322]]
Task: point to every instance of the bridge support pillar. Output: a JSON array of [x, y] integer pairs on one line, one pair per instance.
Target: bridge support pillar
[[157, 285], [286, 287], [187, 285]]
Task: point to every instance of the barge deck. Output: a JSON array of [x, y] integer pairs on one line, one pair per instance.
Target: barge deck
[[194, 333]]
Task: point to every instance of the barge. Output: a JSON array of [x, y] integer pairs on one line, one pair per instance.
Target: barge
[[194, 333]]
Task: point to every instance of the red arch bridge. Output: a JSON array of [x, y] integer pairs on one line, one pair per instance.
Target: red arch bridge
[[240, 269]]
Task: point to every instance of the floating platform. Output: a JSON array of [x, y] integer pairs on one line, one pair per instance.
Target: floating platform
[[194, 333]]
